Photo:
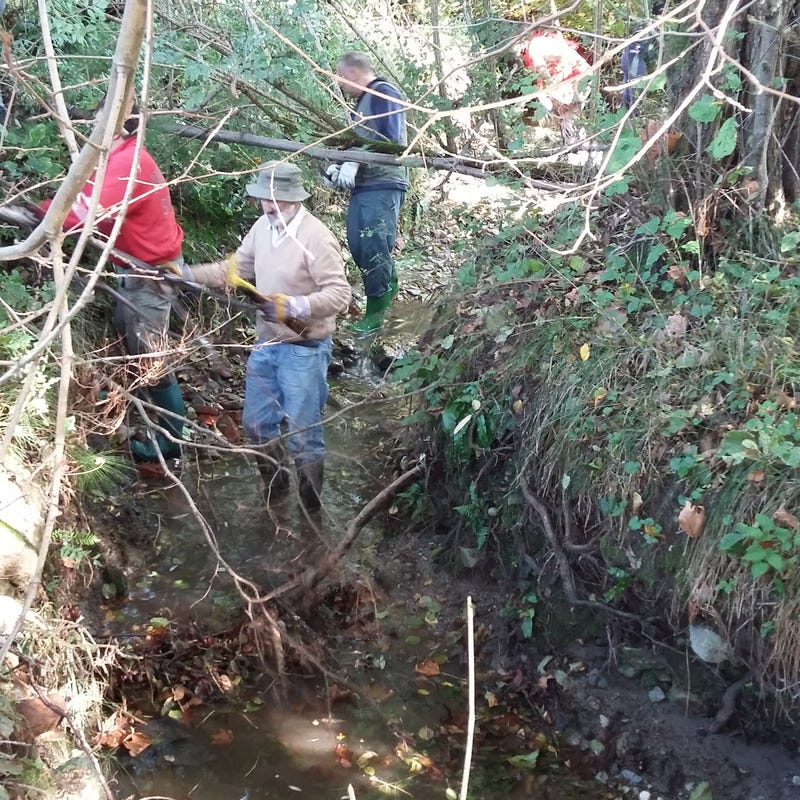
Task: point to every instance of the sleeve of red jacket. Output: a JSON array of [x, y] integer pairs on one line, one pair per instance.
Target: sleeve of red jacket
[[115, 184]]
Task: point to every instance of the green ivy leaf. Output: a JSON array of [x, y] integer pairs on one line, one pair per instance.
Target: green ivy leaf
[[528, 760], [705, 109], [626, 148], [724, 142], [701, 792]]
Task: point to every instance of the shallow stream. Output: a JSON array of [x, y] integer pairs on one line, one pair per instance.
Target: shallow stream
[[309, 747]]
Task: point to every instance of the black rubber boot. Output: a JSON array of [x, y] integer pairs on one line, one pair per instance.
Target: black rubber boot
[[274, 473], [309, 478]]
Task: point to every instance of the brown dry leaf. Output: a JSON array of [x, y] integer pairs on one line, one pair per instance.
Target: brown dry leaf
[[223, 737], [751, 187], [692, 519], [344, 755], [703, 223], [786, 519], [784, 400], [337, 693], [676, 326], [69, 563], [136, 743], [110, 739], [179, 693], [676, 272], [40, 717], [491, 699], [428, 668], [225, 683], [756, 476]]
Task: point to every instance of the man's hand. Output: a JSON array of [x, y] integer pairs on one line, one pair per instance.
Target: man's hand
[[347, 175], [283, 307], [341, 176], [181, 269], [331, 176]]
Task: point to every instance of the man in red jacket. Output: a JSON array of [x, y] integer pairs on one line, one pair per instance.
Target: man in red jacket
[[149, 232]]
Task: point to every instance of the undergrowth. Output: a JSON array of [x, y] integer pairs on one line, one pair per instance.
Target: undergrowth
[[623, 384]]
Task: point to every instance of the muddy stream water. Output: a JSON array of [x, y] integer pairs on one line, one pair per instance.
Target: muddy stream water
[[265, 749]]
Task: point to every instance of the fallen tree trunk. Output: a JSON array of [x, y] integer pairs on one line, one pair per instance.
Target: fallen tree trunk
[[462, 166]]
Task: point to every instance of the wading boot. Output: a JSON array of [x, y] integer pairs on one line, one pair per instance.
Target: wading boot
[[274, 473], [309, 479], [170, 399], [373, 317]]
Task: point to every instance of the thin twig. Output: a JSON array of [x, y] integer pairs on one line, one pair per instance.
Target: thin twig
[[471, 699]]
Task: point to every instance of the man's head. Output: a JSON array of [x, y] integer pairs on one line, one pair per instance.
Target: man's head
[[130, 113], [355, 68], [279, 187]]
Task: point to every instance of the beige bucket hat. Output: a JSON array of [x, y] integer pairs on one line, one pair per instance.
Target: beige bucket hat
[[278, 180]]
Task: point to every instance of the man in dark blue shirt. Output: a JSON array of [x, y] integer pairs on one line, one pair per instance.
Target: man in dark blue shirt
[[377, 191]]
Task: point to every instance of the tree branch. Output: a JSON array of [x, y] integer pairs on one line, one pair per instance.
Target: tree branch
[[110, 119]]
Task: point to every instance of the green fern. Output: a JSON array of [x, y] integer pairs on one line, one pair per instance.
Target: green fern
[[77, 538], [98, 473]]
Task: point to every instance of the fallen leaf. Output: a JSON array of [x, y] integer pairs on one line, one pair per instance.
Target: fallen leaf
[[428, 668], [784, 400], [227, 427], [786, 519], [179, 693], [599, 395], [585, 352], [756, 476], [136, 743], [344, 755], [692, 519], [676, 326], [39, 717], [677, 273], [425, 733], [491, 699], [751, 187], [222, 737]]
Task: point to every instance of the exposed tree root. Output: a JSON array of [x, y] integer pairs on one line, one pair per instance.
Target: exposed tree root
[[564, 569], [313, 575], [728, 705]]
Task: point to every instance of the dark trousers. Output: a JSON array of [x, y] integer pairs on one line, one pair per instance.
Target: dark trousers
[[372, 219]]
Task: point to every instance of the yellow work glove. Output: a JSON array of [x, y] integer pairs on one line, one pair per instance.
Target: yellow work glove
[[180, 269], [284, 307]]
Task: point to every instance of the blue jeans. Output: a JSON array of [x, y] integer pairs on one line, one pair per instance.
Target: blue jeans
[[288, 381], [371, 233]]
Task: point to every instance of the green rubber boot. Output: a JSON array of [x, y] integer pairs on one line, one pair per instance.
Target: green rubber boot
[[169, 399], [376, 310], [394, 284]]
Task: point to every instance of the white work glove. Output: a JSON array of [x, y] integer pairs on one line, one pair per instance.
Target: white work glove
[[346, 178], [331, 176]]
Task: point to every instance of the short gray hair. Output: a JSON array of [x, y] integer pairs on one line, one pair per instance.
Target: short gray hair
[[355, 60]]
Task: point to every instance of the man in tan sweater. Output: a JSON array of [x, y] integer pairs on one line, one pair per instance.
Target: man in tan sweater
[[296, 262]]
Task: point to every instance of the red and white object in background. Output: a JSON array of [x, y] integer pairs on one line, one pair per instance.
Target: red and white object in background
[[560, 66]]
